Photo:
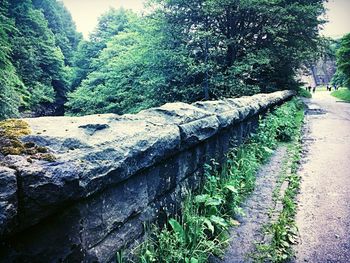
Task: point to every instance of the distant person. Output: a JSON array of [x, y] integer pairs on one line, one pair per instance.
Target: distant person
[[335, 87], [309, 88], [313, 89], [330, 88], [327, 88]]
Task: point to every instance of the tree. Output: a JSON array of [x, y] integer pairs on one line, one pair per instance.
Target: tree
[[131, 74], [61, 24], [110, 24], [202, 49], [343, 60], [11, 86], [38, 61], [241, 46]]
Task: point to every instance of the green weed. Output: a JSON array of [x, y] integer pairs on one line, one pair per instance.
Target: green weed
[[284, 230]]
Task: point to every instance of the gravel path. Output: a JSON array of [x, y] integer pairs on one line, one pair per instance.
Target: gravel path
[[323, 216], [256, 210]]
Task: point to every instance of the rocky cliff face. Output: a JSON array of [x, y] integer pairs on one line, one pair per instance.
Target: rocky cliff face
[[109, 174]]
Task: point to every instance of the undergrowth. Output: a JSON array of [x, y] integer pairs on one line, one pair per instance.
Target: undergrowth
[[202, 227], [283, 231], [343, 94], [304, 93]]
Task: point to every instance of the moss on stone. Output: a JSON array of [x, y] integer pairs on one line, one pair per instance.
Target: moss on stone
[[10, 144], [48, 157], [10, 132], [14, 128], [41, 149]]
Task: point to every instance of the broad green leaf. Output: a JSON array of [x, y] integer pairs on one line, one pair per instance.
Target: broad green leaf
[[209, 225], [219, 221], [201, 198], [213, 201], [231, 188], [178, 229]]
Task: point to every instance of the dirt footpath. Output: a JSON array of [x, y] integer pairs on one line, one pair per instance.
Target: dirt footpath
[[323, 216], [256, 212]]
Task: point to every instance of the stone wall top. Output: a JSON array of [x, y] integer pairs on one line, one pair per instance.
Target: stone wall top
[[97, 151]]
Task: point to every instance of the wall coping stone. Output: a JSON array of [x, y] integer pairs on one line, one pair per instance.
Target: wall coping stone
[[95, 152]]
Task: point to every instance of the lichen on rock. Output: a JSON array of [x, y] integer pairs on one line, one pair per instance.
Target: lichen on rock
[[11, 132]]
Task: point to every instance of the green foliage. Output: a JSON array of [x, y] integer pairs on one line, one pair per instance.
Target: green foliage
[[343, 94], [109, 25], [180, 51], [339, 79], [61, 24], [120, 257], [343, 60], [283, 230], [10, 84], [34, 73], [260, 44], [304, 93], [201, 229], [38, 60], [188, 51], [132, 74]]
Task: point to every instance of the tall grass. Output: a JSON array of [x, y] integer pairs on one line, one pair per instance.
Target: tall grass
[[343, 94], [202, 227], [283, 231]]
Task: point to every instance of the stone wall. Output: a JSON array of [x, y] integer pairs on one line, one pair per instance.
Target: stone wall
[[111, 174]]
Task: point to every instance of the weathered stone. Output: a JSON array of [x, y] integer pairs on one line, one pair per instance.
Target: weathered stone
[[87, 162], [227, 114], [110, 210], [115, 241], [8, 199], [112, 174], [195, 124], [246, 106]]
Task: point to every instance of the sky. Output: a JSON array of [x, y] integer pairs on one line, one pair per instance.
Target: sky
[[338, 14], [86, 12]]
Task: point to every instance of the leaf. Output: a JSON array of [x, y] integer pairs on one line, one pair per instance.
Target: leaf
[[209, 225], [201, 198], [232, 189], [292, 240], [213, 201], [268, 150], [219, 221], [285, 243], [177, 228], [234, 222], [194, 260], [239, 211], [213, 210]]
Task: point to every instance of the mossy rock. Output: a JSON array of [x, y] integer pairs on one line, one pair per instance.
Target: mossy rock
[[10, 132], [14, 129], [10, 144]]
